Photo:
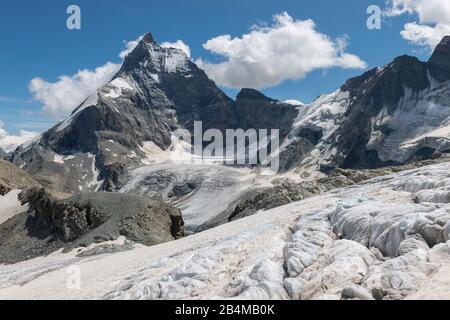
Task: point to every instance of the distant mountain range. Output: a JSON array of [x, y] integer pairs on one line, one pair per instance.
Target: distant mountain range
[[387, 116]]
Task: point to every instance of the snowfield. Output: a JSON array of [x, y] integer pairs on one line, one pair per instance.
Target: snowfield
[[10, 205], [385, 238]]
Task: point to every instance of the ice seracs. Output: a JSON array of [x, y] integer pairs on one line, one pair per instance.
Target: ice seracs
[[369, 241], [202, 191]]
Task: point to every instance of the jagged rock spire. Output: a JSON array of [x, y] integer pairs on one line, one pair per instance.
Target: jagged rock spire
[[439, 62], [442, 52], [148, 38]]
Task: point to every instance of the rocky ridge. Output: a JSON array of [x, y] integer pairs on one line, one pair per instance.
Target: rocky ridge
[[52, 222], [387, 116]]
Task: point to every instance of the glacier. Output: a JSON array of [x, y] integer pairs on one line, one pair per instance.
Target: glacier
[[385, 238]]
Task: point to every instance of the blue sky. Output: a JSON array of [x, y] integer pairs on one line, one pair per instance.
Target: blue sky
[[36, 43]]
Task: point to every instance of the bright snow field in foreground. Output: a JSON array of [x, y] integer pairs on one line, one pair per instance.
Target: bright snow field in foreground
[[385, 238]]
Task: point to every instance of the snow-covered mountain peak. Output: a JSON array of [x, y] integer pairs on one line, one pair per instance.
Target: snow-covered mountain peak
[[156, 59]]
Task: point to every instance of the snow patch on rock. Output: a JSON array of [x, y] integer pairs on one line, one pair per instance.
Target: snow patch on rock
[[10, 205]]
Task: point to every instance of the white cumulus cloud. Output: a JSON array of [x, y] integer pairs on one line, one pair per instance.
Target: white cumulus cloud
[[294, 102], [9, 142], [69, 91], [63, 96], [432, 20], [265, 57], [129, 46], [424, 35]]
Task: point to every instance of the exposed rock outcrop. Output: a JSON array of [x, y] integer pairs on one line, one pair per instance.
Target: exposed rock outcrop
[[256, 111], [85, 218], [12, 177], [439, 62]]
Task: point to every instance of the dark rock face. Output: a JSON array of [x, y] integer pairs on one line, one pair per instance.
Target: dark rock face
[[370, 93], [67, 221], [189, 93], [4, 190], [377, 88], [183, 189], [71, 218], [256, 111], [294, 153], [113, 176], [12, 177], [255, 95], [439, 62], [83, 219], [305, 140]]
